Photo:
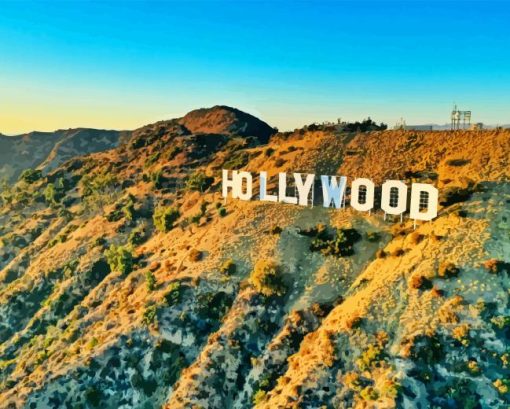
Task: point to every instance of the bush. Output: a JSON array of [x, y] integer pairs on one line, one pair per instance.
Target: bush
[[454, 195], [369, 393], [259, 396], [53, 193], [228, 267], [496, 266], [398, 252], [157, 178], [279, 162], [137, 236], [150, 281], [380, 253], [267, 279], [222, 211], [502, 385], [199, 181], [165, 217], [370, 357], [419, 282], [150, 315], [447, 270], [119, 259], [195, 255], [174, 294], [353, 321], [30, 175], [339, 244], [501, 321], [391, 389]]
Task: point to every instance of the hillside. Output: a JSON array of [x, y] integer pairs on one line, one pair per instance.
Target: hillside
[[126, 281], [48, 150]]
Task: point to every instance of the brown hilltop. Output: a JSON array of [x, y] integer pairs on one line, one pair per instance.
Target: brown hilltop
[[222, 119]]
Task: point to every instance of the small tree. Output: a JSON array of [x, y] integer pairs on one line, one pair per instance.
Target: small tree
[[165, 217], [120, 259]]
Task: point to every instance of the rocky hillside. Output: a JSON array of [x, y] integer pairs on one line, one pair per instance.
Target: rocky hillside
[[48, 150], [127, 282]]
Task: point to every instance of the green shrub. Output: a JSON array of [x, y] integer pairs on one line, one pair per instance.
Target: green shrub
[[137, 236], [157, 179], [259, 396], [150, 315], [199, 181], [174, 293], [150, 281], [53, 193], [339, 244], [30, 175], [222, 211], [119, 259], [213, 305], [370, 357], [369, 393], [228, 267], [501, 321], [92, 343], [165, 217], [267, 279]]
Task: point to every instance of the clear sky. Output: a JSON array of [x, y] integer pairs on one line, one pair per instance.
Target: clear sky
[[125, 64]]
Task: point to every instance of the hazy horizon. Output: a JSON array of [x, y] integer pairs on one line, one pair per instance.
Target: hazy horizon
[[113, 65]]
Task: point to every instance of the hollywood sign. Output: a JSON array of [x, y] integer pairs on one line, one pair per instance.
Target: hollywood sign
[[394, 199]]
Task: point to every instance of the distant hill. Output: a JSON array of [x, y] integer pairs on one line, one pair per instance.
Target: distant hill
[[48, 150]]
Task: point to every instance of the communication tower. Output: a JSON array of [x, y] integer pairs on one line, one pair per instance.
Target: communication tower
[[460, 116]]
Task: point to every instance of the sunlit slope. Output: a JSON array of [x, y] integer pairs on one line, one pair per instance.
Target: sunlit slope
[[134, 284]]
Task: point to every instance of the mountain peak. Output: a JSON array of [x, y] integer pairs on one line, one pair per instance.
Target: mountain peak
[[223, 119]]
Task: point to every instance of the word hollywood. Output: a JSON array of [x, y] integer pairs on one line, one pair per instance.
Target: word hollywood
[[393, 197]]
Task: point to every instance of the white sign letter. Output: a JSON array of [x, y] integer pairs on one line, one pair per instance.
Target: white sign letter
[[263, 189], [239, 185], [226, 183], [333, 191], [303, 188], [394, 197], [362, 194], [282, 190], [423, 201]]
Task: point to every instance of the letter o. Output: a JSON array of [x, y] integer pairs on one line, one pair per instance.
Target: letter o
[[369, 194], [246, 195], [394, 197]]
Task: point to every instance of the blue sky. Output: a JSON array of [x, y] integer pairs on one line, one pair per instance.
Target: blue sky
[[125, 64]]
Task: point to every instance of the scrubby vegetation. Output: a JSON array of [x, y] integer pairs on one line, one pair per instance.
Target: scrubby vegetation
[[165, 217], [99, 310], [120, 259], [267, 278]]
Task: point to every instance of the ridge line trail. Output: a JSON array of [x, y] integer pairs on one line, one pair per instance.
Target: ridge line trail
[[54, 152]]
